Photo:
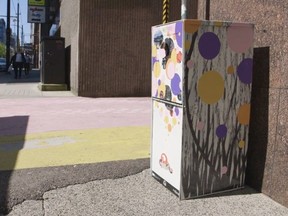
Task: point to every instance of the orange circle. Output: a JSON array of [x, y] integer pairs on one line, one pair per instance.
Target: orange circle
[[244, 114], [169, 127], [230, 69]]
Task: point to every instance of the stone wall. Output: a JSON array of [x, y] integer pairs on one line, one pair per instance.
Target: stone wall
[[268, 147]]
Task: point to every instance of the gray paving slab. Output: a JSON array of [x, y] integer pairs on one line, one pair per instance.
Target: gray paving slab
[[29, 207], [140, 194], [26, 87]]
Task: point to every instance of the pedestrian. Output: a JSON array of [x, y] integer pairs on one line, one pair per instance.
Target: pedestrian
[[27, 64], [18, 61]]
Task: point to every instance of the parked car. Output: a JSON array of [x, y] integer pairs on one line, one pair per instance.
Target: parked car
[[2, 64]]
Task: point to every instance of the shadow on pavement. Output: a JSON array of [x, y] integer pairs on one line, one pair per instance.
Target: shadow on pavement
[[34, 76], [10, 145]]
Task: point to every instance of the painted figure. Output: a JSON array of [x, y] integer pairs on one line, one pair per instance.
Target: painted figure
[[164, 163], [167, 45]]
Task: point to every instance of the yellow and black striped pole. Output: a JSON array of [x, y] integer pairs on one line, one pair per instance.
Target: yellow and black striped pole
[[165, 14]]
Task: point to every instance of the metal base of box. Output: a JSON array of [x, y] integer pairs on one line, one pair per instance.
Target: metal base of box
[[52, 87], [166, 184]]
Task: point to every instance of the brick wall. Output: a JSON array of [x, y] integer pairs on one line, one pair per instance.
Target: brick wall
[[111, 50]]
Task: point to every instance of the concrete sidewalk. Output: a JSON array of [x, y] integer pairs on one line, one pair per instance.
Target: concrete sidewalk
[[27, 86], [141, 195], [67, 185]]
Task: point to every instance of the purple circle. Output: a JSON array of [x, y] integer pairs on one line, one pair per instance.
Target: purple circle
[[221, 131], [244, 71], [176, 111], [156, 94], [178, 32], [175, 87], [154, 59], [209, 45], [159, 82]]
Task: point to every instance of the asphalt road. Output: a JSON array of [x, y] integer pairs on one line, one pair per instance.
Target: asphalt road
[[30, 184]]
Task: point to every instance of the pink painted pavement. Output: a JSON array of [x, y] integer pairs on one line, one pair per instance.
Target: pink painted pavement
[[45, 114]]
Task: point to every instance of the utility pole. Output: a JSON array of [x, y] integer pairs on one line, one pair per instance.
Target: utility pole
[[18, 26], [22, 36], [184, 9], [8, 36]]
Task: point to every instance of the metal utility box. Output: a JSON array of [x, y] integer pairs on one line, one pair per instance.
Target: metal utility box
[[52, 60], [201, 92]]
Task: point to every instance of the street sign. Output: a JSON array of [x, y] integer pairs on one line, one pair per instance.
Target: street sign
[[36, 14], [36, 2]]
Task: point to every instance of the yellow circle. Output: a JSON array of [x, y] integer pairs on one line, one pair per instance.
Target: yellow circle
[[187, 44], [210, 87], [154, 51], [166, 119], [218, 23], [174, 56], [156, 104], [174, 121], [244, 114], [241, 144], [156, 69]]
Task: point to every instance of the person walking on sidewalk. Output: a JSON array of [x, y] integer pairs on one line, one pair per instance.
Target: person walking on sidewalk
[[27, 64], [18, 61]]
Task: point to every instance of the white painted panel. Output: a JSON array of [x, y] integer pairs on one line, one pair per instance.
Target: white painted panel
[[166, 142]]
